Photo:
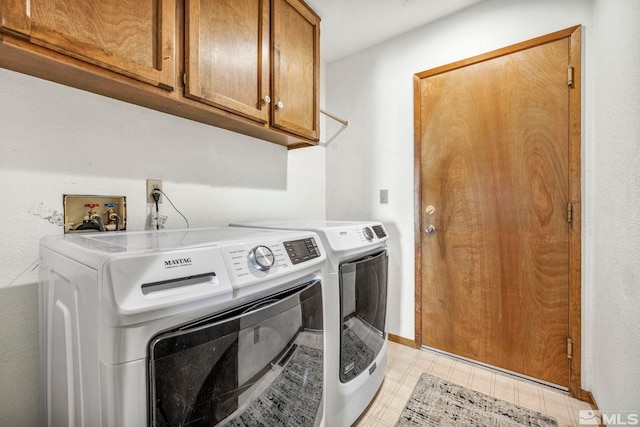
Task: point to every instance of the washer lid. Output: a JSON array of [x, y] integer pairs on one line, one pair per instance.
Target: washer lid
[[311, 225], [152, 241], [93, 249]]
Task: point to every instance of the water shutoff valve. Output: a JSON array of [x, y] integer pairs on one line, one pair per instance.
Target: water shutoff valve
[[91, 213], [113, 220]]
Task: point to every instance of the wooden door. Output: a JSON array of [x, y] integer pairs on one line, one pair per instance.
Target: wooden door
[[295, 71], [494, 143], [228, 55], [131, 37]]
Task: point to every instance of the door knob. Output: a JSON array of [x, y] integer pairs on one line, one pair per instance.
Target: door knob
[[430, 229], [279, 105]]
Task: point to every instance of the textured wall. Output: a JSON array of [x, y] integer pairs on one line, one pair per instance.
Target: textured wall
[[615, 206], [55, 140], [19, 382]]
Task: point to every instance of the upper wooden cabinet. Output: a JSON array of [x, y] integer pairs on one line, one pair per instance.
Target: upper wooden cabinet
[[256, 58], [295, 68], [227, 55], [249, 66], [132, 37]]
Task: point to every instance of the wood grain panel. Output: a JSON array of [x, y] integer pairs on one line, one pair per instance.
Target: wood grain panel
[[295, 72], [135, 38], [228, 55], [14, 18], [115, 27], [575, 232], [494, 163]]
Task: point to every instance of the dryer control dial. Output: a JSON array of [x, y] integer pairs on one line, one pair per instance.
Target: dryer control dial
[[368, 234], [262, 258]]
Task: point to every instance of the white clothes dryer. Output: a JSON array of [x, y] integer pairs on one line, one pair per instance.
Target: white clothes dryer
[[355, 304], [182, 327]]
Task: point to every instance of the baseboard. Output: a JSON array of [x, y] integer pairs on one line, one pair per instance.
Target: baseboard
[[404, 341], [587, 396]]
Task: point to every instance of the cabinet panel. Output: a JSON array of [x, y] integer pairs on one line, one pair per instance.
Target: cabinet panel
[[14, 17], [295, 72], [228, 55], [132, 37]]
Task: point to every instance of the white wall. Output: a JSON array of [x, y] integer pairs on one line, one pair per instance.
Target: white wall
[[374, 90], [56, 140], [614, 179]]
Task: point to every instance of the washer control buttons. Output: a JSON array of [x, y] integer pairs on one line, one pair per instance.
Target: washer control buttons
[[262, 258], [302, 250]]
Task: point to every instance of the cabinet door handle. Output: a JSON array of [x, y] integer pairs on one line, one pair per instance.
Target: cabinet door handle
[[279, 105], [266, 99]]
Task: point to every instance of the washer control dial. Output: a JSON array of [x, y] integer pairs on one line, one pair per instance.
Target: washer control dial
[[262, 258], [368, 234]]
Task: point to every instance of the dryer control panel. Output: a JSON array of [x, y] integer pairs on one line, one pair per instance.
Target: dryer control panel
[[349, 237]]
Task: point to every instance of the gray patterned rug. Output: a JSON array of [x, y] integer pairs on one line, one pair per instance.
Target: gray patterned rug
[[436, 402], [293, 399], [355, 356]]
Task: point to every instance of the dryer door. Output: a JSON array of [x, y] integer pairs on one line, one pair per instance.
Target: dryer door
[[363, 307], [260, 363]]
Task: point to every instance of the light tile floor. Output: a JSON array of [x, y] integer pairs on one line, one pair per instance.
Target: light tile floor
[[405, 365]]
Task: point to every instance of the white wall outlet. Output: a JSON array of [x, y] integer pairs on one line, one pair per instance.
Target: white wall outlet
[[384, 196], [151, 185]]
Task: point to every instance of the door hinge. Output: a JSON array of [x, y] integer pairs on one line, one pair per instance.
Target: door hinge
[[570, 76], [569, 348], [569, 213]]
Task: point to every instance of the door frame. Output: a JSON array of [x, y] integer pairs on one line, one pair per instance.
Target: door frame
[[574, 37]]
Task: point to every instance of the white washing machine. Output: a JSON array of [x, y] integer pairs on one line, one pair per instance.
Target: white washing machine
[[182, 327], [355, 289]]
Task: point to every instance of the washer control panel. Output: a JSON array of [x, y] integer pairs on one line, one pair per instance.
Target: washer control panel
[[302, 250], [249, 263], [246, 262]]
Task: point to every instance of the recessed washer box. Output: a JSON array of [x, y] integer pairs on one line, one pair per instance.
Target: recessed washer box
[[92, 214]]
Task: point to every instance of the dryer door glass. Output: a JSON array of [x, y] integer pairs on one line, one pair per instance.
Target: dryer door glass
[[363, 306], [260, 363]]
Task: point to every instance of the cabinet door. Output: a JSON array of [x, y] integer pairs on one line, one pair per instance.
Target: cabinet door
[[296, 68], [227, 51], [131, 37]]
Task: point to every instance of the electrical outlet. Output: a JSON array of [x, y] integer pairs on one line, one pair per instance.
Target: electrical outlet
[[152, 184], [384, 196]]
